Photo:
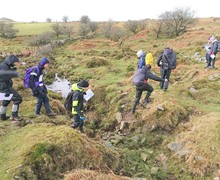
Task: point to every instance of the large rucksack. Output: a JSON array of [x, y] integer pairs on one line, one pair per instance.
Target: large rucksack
[[139, 77], [169, 59], [68, 103], [27, 75]]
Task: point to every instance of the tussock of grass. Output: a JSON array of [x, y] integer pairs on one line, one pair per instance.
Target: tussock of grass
[[93, 175], [202, 140], [44, 151]]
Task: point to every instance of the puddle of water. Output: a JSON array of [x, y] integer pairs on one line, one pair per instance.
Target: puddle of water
[[60, 85]]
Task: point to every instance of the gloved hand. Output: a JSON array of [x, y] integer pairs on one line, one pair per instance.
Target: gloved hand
[[83, 118], [7, 94]]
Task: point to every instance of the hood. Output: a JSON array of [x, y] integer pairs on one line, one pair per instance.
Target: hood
[[10, 60], [168, 51], [76, 88]]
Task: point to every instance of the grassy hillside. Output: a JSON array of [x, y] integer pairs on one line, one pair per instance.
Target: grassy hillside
[[179, 142]]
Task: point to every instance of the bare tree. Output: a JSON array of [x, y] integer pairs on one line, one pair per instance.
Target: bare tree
[[57, 29], [93, 26], [142, 25], [65, 19], [7, 30], [84, 30], [158, 28], [67, 30], [132, 26], [107, 28], [176, 22], [85, 19]]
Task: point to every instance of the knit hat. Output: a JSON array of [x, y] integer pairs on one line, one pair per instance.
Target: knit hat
[[44, 61], [83, 83], [211, 38]]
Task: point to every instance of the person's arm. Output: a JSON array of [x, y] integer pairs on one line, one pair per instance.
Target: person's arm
[[154, 77], [159, 60]]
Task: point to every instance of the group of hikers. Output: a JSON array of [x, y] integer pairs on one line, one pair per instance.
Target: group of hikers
[[212, 48], [8, 69], [166, 61], [34, 81]]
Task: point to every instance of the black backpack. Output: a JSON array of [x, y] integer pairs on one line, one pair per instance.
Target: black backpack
[[68, 102], [169, 58]]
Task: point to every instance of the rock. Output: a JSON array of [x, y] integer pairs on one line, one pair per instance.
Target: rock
[[160, 107], [193, 90], [175, 146], [183, 152]]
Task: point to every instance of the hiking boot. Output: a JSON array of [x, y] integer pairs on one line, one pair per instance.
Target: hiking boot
[[16, 118], [4, 117], [51, 114], [146, 101]]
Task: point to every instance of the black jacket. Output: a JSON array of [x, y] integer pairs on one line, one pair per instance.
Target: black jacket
[[8, 66]]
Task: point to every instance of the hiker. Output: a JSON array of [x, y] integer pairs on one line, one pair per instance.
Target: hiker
[[77, 105], [141, 56], [207, 55], [166, 61], [140, 81], [38, 87], [214, 50], [10, 64]]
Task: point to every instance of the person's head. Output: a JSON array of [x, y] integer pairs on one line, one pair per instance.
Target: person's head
[[211, 39], [12, 60], [83, 84], [139, 53], [44, 62]]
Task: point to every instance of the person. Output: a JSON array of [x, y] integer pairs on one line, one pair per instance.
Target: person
[[140, 81], [141, 56], [10, 64], [207, 55], [77, 105], [166, 61], [39, 90], [214, 50]]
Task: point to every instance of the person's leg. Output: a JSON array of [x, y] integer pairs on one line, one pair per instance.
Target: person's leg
[[3, 110], [47, 106], [208, 59], [76, 120], [137, 98], [213, 63], [162, 75], [149, 90], [38, 105], [167, 74], [4, 104], [81, 124], [17, 99]]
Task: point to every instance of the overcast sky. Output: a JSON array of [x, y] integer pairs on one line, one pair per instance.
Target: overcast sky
[[101, 10]]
